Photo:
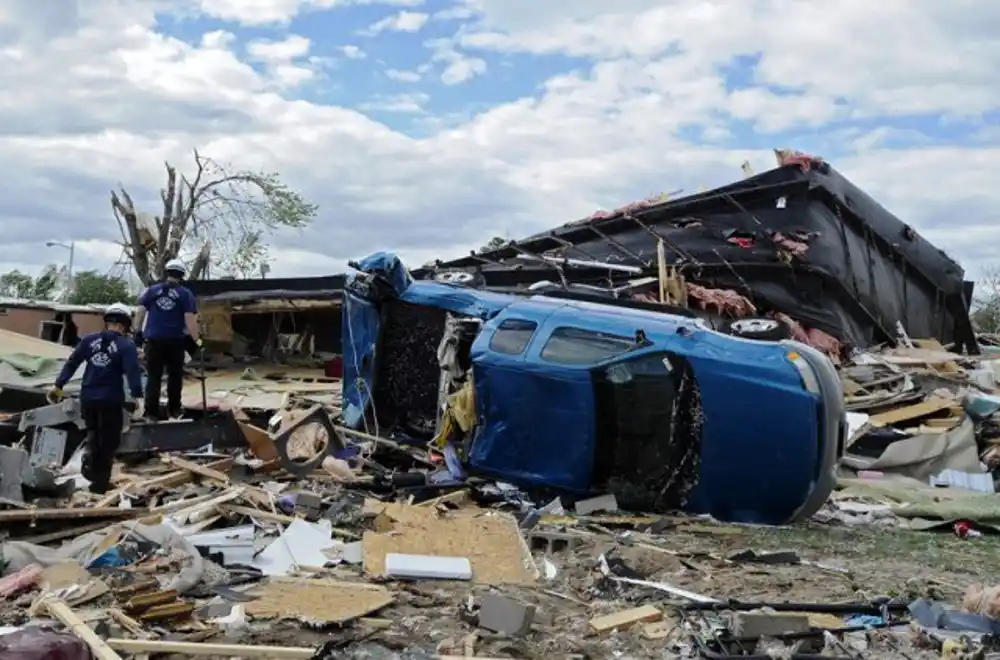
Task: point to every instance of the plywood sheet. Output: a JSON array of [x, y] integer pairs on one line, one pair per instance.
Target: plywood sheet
[[317, 601], [908, 413], [491, 541]]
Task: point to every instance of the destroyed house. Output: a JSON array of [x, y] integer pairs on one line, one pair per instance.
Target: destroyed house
[[52, 321], [800, 243], [273, 319]]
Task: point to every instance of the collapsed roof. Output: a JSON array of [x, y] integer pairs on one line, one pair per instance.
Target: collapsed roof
[[799, 240]]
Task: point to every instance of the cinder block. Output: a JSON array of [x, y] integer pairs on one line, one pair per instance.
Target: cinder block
[[553, 541], [765, 624], [607, 503], [505, 615]]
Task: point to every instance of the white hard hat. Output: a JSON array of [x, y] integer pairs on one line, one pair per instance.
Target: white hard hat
[[119, 309], [176, 266], [118, 312]]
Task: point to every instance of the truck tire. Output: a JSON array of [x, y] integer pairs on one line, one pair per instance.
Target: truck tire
[[758, 327]]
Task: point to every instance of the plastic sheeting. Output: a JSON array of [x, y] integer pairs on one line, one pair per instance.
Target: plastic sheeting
[[19, 554], [862, 270], [923, 456]]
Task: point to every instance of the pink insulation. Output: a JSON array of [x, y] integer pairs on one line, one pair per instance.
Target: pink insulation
[[723, 301], [15, 583], [818, 339]]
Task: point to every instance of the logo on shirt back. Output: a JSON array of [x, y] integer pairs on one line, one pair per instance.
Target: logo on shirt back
[[167, 301], [101, 357]]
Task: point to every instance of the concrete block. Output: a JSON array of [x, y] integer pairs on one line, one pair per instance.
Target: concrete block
[[12, 462], [608, 503], [310, 504], [767, 624], [505, 615], [553, 541]]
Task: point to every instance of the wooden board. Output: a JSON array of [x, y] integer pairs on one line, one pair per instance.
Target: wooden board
[[317, 602], [908, 413], [625, 618], [491, 542]]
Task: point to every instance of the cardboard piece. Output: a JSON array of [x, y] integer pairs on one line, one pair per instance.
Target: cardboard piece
[[490, 541], [317, 602]]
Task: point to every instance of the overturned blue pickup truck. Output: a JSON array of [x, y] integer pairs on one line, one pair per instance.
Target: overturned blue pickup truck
[[578, 397]]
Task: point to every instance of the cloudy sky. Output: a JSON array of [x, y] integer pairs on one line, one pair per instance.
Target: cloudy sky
[[428, 126]]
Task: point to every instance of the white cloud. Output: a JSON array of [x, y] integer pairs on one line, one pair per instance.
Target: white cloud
[[404, 21], [99, 95], [287, 61], [457, 67], [402, 103], [353, 53], [403, 76]]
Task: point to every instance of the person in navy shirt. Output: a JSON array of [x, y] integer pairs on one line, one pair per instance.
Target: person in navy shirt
[[109, 355], [170, 314]]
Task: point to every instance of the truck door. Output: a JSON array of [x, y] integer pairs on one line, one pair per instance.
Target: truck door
[[535, 395]]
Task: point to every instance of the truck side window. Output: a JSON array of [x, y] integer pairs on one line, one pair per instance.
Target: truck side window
[[577, 346], [513, 336]]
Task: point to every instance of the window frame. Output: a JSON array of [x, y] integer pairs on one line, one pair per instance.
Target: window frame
[[559, 332], [514, 321]]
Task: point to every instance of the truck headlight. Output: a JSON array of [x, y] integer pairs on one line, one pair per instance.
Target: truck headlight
[[809, 379]]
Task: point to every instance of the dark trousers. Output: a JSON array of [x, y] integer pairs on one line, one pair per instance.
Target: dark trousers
[[164, 355], [104, 420]]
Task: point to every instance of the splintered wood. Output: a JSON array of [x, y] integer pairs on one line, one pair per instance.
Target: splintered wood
[[317, 602], [490, 541]]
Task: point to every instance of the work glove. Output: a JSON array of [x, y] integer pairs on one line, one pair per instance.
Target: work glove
[[140, 409], [199, 343], [138, 338], [55, 395]]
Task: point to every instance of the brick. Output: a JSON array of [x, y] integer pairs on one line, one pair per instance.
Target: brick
[[505, 615]]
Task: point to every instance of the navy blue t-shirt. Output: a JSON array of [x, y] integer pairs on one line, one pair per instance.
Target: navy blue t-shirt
[[166, 304], [108, 356]]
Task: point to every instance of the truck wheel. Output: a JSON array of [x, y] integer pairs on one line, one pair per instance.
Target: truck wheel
[[756, 327], [460, 278]]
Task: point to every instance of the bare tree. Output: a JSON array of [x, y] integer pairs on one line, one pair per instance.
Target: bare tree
[[986, 304], [215, 217]]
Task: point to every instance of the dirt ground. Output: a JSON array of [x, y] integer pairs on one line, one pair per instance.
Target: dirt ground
[[899, 564]]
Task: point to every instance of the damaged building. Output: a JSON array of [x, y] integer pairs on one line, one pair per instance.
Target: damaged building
[[55, 322], [278, 320], [799, 249]]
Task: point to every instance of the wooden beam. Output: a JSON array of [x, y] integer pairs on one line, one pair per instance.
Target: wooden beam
[[200, 470], [176, 478], [69, 618], [30, 515], [202, 649]]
